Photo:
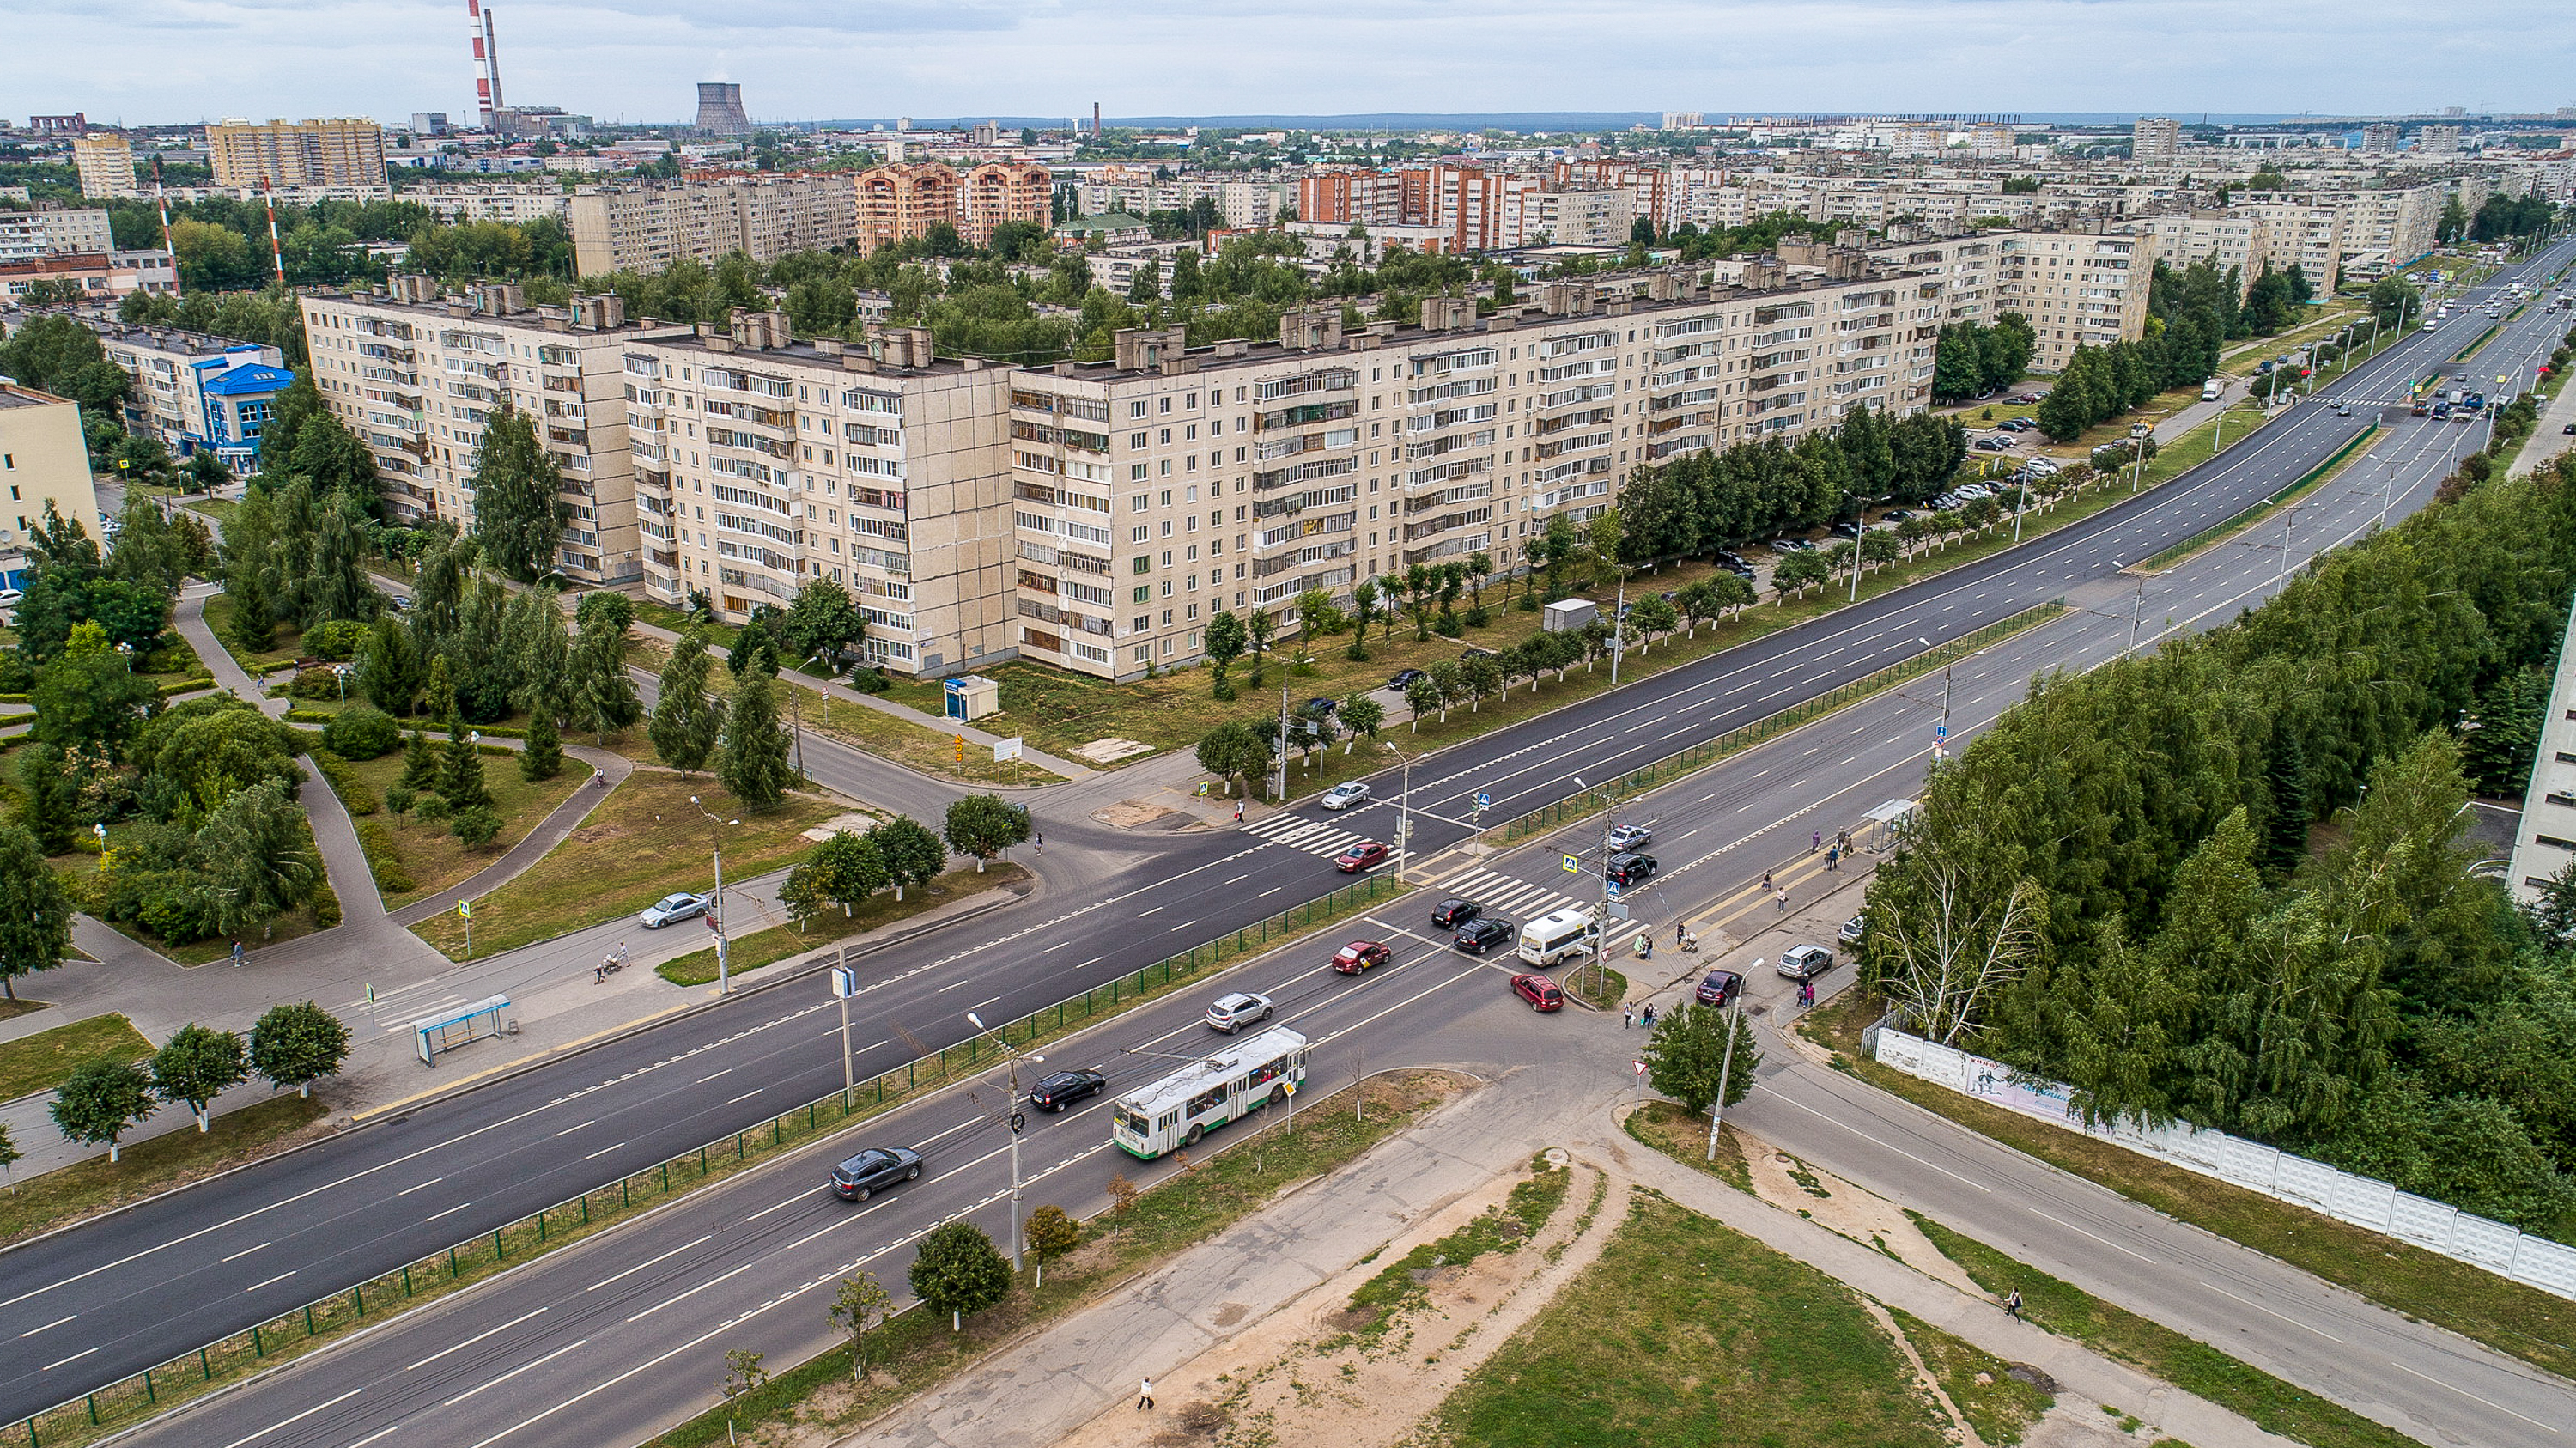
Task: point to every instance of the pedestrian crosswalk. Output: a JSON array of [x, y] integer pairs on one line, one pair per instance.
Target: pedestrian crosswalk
[[1519, 901], [1299, 833]]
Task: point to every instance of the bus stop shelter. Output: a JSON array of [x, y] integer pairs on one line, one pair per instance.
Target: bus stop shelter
[[465, 1024], [1882, 827]]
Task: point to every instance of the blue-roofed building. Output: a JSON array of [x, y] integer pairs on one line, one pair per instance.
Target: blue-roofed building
[[198, 393], [239, 398]]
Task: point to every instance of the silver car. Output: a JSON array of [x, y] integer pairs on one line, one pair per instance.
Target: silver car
[[671, 909], [1628, 837], [1343, 796], [1805, 962], [1232, 1012]]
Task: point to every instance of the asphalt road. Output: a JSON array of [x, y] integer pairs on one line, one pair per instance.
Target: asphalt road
[[98, 1302]]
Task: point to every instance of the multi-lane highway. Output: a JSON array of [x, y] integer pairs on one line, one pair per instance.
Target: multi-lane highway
[[95, 1303]]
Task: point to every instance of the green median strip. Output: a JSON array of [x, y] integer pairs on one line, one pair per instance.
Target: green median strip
[[42, 1061], [749, 952], [2465, 353], [2308, 481], [1735, 741], [290, 1334]]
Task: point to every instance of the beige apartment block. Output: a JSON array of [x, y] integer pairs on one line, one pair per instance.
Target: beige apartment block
[[64, 231], [2155, 138], [902, 202], [341, 152], [2390, 226], [2252, 239], [43, 460], [106, 165], [646, 226], [764, 463], [2078, 290], [417, 375]]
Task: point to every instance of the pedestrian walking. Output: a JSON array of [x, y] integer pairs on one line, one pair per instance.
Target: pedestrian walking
[[1041, 844], [1806, 993], [1238, 811], [1833, 859], [237, 955], [1843, 838], [1815, 842], [1628, 1016], [1780, 902], [1145, 1396], [1677, 933], [2012, 1305], [1650, 1015], [1766, 882]]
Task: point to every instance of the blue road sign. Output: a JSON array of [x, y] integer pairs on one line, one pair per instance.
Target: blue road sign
[[1484, 800]]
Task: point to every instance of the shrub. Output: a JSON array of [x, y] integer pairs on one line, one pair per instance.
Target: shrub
[[362, 731], [400, 799], [318, 683], [178, 907], [869, 681], [475, 825], [432, 809], [384, 859], [326, 908], [355, 797], [337, 640]]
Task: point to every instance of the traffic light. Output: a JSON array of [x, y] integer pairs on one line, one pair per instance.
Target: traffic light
[[961, 749]]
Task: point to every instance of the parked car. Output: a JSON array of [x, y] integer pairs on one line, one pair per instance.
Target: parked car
[[1359, 955], [1805, 962], [1848, 530], [1360, 857], [1628, 837], [1344, 795], [1792, 545], [1992, 444], [11, 597], [2030, 399], [1454, 914], [1897, 515], [1237, 1009], [1541, 993], [1056, 1092], [1630, 869], [1403, 679], [1733, 563], [1853, 929], [2569, 429], [1321, 706], [1718, 987], [1483, 934], [874, 1170], [672, 909]]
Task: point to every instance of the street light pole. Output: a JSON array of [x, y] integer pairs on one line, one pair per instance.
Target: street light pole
[[1013, 1122], [724, 958], [1725, 1067], [1403, 812], [1618, 631]]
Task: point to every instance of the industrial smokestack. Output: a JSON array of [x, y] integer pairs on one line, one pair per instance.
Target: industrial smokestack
[[487, 61], [1095, 120]]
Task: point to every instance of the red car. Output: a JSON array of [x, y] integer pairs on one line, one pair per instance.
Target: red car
[[1359, 955], [1360, 857], [1541, 993]]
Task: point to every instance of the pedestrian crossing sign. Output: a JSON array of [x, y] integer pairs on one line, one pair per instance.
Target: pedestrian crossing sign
[[1571, 863]]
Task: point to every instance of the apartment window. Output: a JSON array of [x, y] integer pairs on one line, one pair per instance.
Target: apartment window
[[1165, 438], [1143, 622], [1192, 402], [1136, 408], [1166, 404], [1139, 439], [1144, 564], [1167, 618], [1144, 595], [1135, 472], [1136, 503], [1139, 533]]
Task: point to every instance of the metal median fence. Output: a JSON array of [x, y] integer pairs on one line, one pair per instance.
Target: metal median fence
[[121, 1404], [1673, 766], [2206, 536]]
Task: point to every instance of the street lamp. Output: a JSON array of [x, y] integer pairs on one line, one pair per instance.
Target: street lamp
[[1403, 808], [724, 961], [1014, 1121]]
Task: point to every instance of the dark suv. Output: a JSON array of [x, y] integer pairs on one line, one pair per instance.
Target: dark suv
[[1631, 869], [874, 1170], [1484, 933], [1453, 914], [1056, 1092]]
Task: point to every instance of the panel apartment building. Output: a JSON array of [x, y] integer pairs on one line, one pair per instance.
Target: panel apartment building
[[105, 164], [43, 461], [902, 202], [197, 393], [341, 152], [416, 376], [646, 226]]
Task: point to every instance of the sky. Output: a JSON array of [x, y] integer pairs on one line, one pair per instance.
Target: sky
[[141, 61]]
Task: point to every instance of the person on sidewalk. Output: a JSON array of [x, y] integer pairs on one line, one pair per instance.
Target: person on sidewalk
[[237, 955], [1145, 1396], [1766, 882], [1627, 1016], [1780, 902], [1649, 1017], [1815, 841], [1238, 811], [2012, 1305], [1833, 859]]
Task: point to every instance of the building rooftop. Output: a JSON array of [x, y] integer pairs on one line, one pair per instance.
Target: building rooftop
[[13, 395]]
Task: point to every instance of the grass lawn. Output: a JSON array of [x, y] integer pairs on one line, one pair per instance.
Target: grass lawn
[[1997, 1406], [916, 1352], [1683, 1136], [219, 617], [755, 949], [2192, 1366], [86, 1188], [431, 854], [2524, 1321], [643, 842], [1502, 1228], [2241, 359], [1688, 1333], [12, 1008], [720, 635], [40, 1062], [300, 921]]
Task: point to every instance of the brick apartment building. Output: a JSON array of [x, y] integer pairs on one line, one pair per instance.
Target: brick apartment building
[[348, 151], [902, 202]]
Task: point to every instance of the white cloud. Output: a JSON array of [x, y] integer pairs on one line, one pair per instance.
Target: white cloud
[[638, 59]]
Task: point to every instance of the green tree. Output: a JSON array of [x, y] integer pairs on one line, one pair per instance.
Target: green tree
[[389, 668], [297, 1043], [1688, 1052], [983, 826], [859, 1304], [196, 1065], [824, 621], [420, 763], [1052, 1233], [519, 511], [603, 696], [35, 915], [685, 723], [912, 854], [541, 757], [90, 698], [474, 826], [257, 857], [957, 1270], [1224, 639], [757, 765], [1363, 715], [1257, 628], [50, 796], [844, 870], [460, 770], [101, 1100]]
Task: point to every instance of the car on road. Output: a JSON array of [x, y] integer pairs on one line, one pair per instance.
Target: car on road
[[1992, 444], [1453, 914], [1322, 707], [1541, 993], [1898, 515], [11, 597], [1403, 679], [874, 1170], [1718, 987], [1630, 869], [1733, 563], [1805, 962], [2343, 409], [1344, 795], [1792, 545], [2030, 399], [1853, 929], [2020, 424], [1360, 857], [1235, 1010], [2569, 429], [1848, 530], [672, 909], [1056, 1092], [1359, 955], [1628, 837], [1483, 934]]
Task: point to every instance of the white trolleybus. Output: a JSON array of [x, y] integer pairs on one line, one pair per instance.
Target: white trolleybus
[[1239, 1079]]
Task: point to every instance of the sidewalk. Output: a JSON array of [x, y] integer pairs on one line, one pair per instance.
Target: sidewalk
[[2550, 438]]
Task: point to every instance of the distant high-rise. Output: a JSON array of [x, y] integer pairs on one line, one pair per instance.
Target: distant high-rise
[[2155, 138], [720, 110], [2381, 137], [343, 152], [106, 165], [2438, 140]]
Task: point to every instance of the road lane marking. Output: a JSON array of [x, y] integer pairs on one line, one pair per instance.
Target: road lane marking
[[2105, 1241], [569, 1130], [272, 1282], [379, 1433], [57, 1322], [2472, 1397], [727, 1071], [514, 1372], [478, 1337], [640, 1266], [451, 1211], [1874, 1141], [2259, 1307], [75, 1357], [433, 1181], [237, 1256], [298, 1418], [603, 1151], [746, 1096]]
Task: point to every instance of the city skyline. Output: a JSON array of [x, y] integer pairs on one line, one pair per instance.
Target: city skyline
[[640, 60]]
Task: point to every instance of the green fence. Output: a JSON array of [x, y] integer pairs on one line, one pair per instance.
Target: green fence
[[193, 1374], [2206, 536], [1674, 766]]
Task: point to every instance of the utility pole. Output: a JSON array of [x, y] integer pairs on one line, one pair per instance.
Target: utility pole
[[1725, 1069], [844, 985], [715, 909], [1403, 812], [1618, 631], [2137, 612], [1015, 1121], [2289, 521]]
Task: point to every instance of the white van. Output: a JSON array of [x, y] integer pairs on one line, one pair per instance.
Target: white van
[[2210, 390], [1558, 934]]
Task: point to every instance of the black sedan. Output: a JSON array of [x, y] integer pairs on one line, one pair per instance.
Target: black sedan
[[1056, 1092], [874, 1170], [1631, 869], [1455, 913], [1484, 934]]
